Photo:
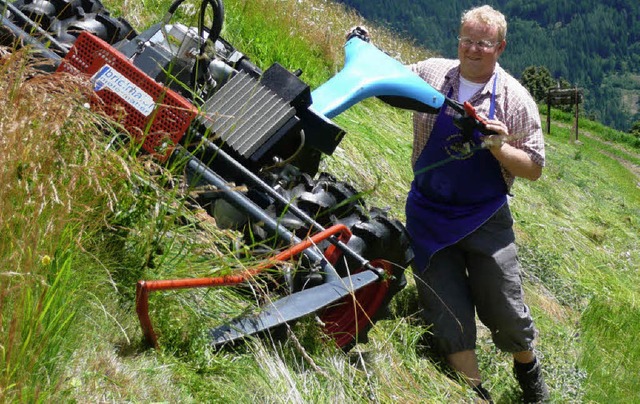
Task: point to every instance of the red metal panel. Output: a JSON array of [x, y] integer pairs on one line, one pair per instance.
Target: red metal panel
[[153, 114]]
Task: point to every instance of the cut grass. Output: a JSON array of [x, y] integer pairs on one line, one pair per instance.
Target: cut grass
[[104, 226]]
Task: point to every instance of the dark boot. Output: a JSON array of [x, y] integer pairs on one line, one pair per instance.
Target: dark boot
[[529, 376]]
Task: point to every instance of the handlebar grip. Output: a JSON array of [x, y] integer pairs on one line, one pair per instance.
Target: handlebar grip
[[481, 124]]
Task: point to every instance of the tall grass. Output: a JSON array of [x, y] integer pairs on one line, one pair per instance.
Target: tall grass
[[611, 355], [81, 224], [54, 193], [603, 131]]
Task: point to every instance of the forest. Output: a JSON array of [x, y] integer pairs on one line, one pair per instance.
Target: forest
[[591, 44]]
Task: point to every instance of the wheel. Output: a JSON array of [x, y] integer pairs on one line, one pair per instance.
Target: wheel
[[64, 20], [385, 244], [375, 237]]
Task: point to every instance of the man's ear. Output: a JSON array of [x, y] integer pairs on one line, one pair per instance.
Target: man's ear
[[502, 46]]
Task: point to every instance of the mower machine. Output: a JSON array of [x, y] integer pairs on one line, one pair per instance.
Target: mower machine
[[257, 138]]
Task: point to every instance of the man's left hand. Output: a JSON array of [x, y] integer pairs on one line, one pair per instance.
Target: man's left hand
[[497, 140]]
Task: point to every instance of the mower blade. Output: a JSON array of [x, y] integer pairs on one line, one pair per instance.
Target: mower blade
[[292, 307]]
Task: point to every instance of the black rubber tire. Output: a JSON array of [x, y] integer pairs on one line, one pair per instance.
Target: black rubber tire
[[65, 20], [385, 244], [375, 237]]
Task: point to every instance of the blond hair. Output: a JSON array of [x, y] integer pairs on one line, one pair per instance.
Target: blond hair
[[489, 16]]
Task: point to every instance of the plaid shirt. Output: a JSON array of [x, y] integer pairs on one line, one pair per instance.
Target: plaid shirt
[[514, 107]]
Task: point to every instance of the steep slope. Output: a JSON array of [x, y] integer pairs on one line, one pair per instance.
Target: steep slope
[[578, 230]]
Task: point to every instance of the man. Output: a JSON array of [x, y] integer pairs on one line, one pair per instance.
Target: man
[[457, 210]]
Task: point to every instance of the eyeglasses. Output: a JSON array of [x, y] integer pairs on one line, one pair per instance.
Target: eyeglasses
[[483, 44]]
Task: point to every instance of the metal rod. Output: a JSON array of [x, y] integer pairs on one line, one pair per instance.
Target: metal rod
[[34, 26], [26, 39], [243, 203], [144, 287], [259, 183]]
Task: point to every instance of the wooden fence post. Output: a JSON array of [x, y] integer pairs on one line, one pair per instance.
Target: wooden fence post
[[577, 103], [548, 111], [564, 96]]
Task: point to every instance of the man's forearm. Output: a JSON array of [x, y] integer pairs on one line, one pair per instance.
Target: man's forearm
[[516, 161]]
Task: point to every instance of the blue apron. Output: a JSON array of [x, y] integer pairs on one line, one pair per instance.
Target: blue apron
[[457, 187]]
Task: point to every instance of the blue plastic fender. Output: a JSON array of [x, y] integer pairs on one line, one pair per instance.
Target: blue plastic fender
[[369, 72]]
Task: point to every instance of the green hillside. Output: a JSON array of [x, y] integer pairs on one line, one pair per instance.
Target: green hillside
[[589, 43], [82, 223]]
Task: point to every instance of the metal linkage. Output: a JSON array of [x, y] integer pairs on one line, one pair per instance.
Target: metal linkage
[[23, 38], [143, 288], [260, 184]]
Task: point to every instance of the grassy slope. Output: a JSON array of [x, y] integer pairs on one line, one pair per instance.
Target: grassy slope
[[578, 232]]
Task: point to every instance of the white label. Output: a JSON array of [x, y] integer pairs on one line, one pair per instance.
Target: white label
[[108, 77]]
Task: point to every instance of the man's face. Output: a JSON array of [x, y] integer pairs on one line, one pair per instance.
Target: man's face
[[478, 62]]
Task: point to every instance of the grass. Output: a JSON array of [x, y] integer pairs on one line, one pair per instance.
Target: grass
[[579, 232], [54, 195], [81, 225]]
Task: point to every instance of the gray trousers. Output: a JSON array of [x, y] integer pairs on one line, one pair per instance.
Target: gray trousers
[[479, 273]]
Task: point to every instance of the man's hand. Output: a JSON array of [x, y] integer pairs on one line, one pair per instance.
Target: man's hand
[[501, 134], [516, 161], [493, 141]]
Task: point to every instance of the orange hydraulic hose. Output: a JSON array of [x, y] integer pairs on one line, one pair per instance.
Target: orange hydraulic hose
[[144, 287]]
